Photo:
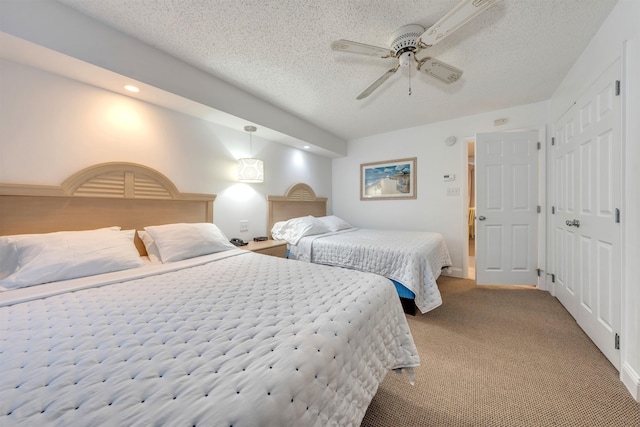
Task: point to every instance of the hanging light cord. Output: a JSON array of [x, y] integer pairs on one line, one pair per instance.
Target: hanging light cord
[[250, 129]]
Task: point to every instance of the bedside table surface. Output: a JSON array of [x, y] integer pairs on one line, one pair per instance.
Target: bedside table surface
[[277, 248], [257, 246]]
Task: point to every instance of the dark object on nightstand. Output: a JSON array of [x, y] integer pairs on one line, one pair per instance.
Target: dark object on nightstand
[[260, 239], [238, 242]]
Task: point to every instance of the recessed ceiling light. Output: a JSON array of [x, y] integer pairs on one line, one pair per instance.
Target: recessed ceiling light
[[306, 147], [131, 88]]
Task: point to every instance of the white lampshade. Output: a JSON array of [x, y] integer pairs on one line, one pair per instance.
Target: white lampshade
[[250, 170]]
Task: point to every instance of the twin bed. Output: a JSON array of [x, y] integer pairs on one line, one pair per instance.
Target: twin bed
[[218, 336], [412, 260]]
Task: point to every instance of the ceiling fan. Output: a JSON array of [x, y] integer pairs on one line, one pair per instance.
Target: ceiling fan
[[409, 40]]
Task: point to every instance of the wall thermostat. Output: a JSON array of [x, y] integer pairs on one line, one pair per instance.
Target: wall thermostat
[[449, 177]]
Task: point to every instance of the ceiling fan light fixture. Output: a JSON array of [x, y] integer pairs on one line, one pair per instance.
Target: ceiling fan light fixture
[[406, 59]]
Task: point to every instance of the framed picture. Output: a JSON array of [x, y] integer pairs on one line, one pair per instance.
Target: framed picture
[[390, 180]]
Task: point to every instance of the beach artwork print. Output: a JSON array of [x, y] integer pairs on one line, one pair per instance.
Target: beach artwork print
[[393, 179]]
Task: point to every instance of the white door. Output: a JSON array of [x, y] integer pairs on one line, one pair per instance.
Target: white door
[[587, 178], [506, 208]]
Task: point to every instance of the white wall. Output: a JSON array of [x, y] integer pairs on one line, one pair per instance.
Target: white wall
[[433, 210], [51, 127], [618, 36], [55, 26]]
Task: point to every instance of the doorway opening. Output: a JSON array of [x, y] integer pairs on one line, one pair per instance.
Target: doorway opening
[[471, 204]]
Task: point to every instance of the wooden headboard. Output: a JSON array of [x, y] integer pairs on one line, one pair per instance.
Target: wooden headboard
[[125, 194], [299, 200]]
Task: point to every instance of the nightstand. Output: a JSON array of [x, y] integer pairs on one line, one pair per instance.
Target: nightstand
[[268, 247]]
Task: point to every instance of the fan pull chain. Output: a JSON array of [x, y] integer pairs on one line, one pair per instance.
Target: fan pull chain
[[409, 81]]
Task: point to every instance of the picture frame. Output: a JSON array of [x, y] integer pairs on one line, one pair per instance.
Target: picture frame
[[388, 180]]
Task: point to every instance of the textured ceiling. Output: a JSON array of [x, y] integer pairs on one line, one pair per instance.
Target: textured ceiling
[[514, 53]]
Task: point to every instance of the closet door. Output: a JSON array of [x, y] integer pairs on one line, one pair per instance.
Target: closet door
[[586, 230]]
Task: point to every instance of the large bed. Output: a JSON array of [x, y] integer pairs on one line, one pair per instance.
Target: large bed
[[227, 338], [413, 260]]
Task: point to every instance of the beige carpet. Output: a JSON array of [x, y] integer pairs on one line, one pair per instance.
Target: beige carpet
[[503, 356]]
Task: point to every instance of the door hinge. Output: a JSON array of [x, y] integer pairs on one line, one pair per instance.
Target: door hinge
[[617, 87], [617, 342], [553, 141], [539, 270], [553, 210], [617, 216], [539, 145], [553, 278], [539, 209]]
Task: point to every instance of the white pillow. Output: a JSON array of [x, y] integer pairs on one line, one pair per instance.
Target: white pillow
[[296, 228], [8, 256], [276, 230], [66, 255], [334, 223], [181, 241], [9, 252], [150, 245]]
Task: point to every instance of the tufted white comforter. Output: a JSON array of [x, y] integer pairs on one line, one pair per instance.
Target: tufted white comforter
[[246, 340], [413, 258]]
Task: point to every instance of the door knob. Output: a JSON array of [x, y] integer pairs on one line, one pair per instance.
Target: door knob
[[482, 218]]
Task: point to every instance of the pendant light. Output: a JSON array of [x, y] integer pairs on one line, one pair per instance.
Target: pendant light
[[250, 169]]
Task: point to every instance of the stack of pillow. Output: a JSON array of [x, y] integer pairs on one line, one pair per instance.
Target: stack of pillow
[[296, 228]]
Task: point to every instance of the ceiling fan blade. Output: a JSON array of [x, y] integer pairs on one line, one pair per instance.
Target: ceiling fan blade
[[378, 82], [438, 69], [464, 12], [361, 48]]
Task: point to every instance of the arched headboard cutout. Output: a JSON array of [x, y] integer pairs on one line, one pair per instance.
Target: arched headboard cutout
[[123, 180], [301, 192]]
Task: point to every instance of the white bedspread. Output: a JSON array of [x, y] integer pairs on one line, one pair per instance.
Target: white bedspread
[[247, 340], [413, 258]]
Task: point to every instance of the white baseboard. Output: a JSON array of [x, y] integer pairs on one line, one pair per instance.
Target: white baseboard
[[631, 380], [453, 272]]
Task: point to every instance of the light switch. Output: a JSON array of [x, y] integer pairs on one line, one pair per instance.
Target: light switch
[[453, 191]]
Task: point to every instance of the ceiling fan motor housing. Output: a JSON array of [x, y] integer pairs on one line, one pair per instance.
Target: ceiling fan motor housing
[[404, 39]]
